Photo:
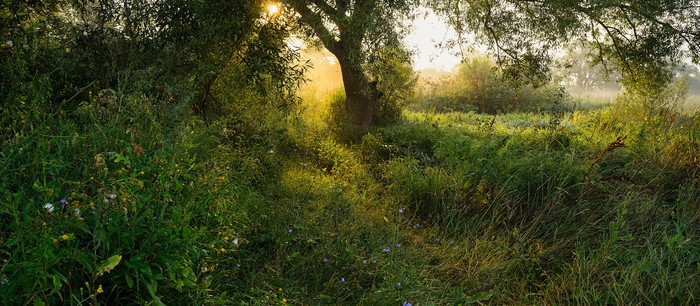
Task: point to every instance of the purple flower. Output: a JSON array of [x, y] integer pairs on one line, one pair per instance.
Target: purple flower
[[374, 261], [398, 285], [401, 211], [452, 243], [154, 217], [63, 201], [289, 231], [325, 260], [416, 226], [342, 279], [406, 304], [304, 165], [238, 266], [398, 245], [364, 262], [387, 250]]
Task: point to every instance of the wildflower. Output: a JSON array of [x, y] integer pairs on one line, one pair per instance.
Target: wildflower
[[48, 207], [452, 243], [304, 165], [374, 261], [65, 237], [235, 241], [222, 250], [405, 303], [99, 290], [92, 205], [298, 206], [416, 226], [9, 43], [284, 300], [206, 278], [398, 245], [325, 260], [289, 231], [342, 279], [238, 266], [387, 250], [63, 201], [364, 262], [398, 285], [154, 217], [437, 240], [112, 196], [401, 211]]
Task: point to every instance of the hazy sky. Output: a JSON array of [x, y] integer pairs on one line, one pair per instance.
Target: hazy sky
[[428, 31]]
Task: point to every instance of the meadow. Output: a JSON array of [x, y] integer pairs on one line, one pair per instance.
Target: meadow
[[111, 204]]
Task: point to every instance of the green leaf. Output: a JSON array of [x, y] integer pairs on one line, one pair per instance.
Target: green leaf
[[12, 242], [56, 283], [481, 296], [108, 265], [129, 281]]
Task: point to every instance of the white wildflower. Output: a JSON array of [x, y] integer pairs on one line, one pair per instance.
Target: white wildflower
[[48, 207], [9, 43]]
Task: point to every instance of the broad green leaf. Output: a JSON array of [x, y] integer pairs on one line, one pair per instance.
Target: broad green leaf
[[108, 265]]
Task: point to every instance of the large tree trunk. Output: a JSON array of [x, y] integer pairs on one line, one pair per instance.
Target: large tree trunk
[[361, 96]]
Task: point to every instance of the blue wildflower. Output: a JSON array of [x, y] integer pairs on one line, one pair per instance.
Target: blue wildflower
[[387, 250], [289, 231], [342, 279], [416, 226], [325, 260], [405, 303], [364, 262], [398, 285], [398, 245], [452, 243], [238, 266], [63, 201], [374, 261], [400, 211]]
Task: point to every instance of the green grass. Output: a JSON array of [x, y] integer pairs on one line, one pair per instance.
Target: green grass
[[510, 209]]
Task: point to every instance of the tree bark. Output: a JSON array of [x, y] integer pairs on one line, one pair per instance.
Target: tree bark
[[360, 98]]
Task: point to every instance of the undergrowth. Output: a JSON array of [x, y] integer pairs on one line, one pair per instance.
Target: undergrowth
[[132, 199]]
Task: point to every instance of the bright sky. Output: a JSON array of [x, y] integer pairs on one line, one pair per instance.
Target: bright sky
[[428, 31]]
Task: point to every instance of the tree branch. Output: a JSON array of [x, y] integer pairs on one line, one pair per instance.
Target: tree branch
[[315, 21]]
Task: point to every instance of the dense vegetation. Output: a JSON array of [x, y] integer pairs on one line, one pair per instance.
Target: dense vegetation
[[166, 158]]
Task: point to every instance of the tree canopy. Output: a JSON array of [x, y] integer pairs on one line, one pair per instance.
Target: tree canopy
[[642, 40]]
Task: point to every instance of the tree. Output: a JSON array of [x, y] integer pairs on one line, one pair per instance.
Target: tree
[[354, 31], [641, 39]]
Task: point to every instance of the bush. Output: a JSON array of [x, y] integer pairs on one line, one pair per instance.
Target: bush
[[479, 85]]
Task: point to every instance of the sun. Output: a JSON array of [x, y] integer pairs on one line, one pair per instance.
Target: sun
[[273, 9]]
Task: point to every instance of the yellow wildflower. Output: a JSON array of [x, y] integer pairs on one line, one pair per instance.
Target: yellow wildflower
[[64, 237], [99, 290]]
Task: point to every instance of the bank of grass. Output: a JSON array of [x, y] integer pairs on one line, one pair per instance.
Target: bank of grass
[[589, 207]]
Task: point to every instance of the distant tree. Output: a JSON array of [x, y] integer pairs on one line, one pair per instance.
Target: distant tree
[[641, 39], [576, 71], [355, 31]]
